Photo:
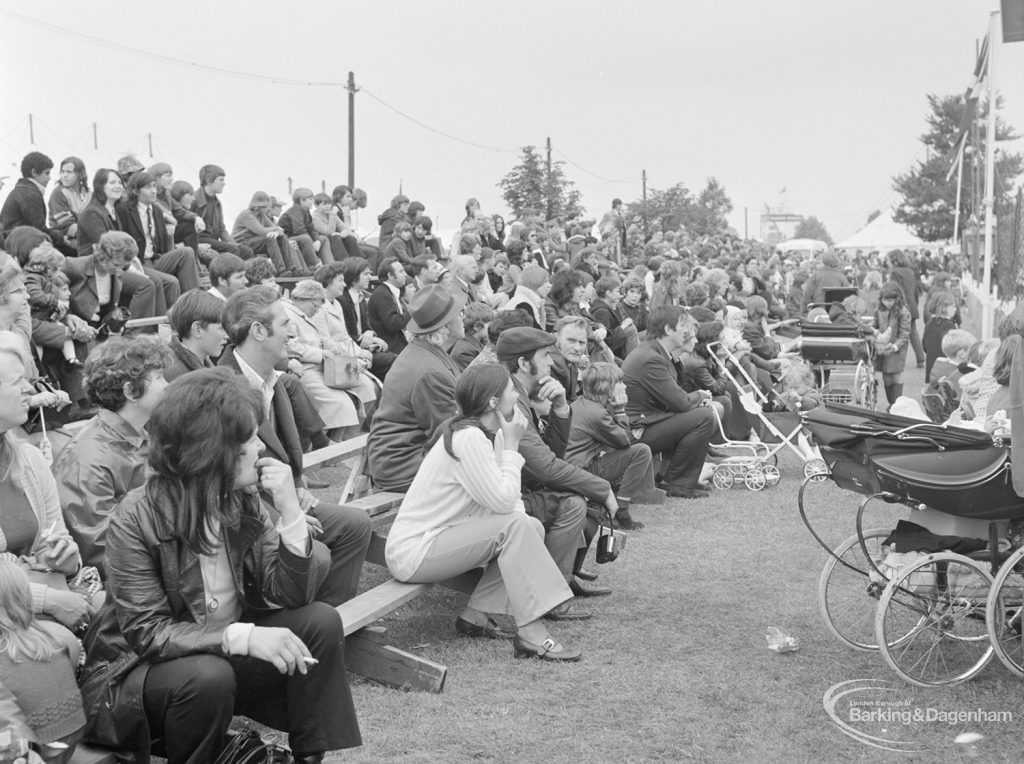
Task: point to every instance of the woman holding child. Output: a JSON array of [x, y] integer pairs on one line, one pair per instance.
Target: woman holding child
[[465, 510]]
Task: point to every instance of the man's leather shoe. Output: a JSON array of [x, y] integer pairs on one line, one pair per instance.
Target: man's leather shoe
[[490, 630], [582, 589], [565, 654], [688, 493], [586, 574], [310, 758], [568, 612]]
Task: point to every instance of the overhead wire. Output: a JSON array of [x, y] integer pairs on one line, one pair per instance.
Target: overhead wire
[[224, 71], [435, 130], [589, 172]]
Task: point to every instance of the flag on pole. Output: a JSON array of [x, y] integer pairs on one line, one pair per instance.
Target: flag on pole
[[970, 108]]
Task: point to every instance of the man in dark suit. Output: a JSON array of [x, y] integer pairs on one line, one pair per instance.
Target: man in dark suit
[[257, 324], [143, 221], [25, 204], [671, 420], [386, 311], [356, 274]]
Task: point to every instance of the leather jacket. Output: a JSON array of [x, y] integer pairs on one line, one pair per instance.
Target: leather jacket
[[155, 608]]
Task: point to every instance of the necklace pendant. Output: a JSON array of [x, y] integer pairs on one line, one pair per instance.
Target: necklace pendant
[[212, 605]]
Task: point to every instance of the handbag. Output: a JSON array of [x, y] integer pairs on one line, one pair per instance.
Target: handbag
[[247, 747], [341, 372], [608, 544]]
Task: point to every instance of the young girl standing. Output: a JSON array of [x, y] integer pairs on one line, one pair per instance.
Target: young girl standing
[[892, 319]]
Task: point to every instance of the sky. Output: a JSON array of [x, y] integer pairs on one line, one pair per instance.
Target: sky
[[826, 100]]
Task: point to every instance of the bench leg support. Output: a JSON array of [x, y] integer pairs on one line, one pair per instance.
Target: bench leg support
[[368, 656]]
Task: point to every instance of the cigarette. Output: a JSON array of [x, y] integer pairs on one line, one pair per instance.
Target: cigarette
[[51, 529], [310, 661]]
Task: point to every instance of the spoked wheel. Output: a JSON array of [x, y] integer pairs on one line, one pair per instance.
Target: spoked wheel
[[865, 386], [722, 478], [1004, 614], [771, 474], [755, 479], [816, 470], [930, 626], [850, 588]]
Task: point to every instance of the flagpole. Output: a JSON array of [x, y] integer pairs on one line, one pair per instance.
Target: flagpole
[[959, 187], [990, 153]]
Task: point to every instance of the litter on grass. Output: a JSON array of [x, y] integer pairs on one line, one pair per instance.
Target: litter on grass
[[781, 642]]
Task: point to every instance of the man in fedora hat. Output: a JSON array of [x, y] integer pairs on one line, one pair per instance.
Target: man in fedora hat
[[419, 392]]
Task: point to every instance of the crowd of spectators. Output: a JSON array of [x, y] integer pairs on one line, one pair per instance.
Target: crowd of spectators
[[522, 386]]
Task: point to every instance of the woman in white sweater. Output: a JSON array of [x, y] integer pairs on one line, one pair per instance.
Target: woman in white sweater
[[465, 510]]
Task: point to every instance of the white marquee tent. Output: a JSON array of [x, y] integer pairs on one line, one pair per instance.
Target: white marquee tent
[[883, 233]]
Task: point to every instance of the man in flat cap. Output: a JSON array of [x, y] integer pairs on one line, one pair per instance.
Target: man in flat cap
[[554, 491]]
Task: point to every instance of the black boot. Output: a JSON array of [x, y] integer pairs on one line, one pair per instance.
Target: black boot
[[889, 396], [897, 391], [625, 521]]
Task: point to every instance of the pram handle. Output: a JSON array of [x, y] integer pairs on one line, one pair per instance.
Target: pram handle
[[903, 434]]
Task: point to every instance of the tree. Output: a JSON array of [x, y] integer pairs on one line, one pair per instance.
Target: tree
[[704, 215], [529, 186], [708, 216], [928, 199], [812, 228]]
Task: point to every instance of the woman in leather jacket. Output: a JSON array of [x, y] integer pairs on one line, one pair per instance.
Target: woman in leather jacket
[[210, 609]]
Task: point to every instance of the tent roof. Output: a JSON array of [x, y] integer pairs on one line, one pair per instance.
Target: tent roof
[[881, 233]]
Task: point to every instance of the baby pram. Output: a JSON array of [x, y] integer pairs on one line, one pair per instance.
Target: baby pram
[[936, 615], [755, 463], [842, 358]]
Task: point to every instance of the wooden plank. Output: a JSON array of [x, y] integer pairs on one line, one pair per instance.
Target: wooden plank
[[350, 447], [376, 503], [393, 667], [377, 602]]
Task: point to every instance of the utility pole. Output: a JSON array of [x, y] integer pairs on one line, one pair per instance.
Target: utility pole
[[289, 186], [550, 187], [745, 227], [95, 138], [149, 136], [643, 177], [323, 186], [31, 131], [351, 88]]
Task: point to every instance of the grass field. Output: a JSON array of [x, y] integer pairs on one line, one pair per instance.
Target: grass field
[[675, 664]]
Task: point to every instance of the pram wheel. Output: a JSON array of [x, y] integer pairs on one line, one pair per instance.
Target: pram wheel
[[1004, 612], [722, 478], [929, 624], [755, 479], [865, 386], [848, 590], [771, 474], [815, 470]]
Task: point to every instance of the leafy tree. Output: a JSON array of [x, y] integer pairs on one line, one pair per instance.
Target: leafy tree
[[928, 199], [708, 216], [668, 209], [528, 186], [812, 228]]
